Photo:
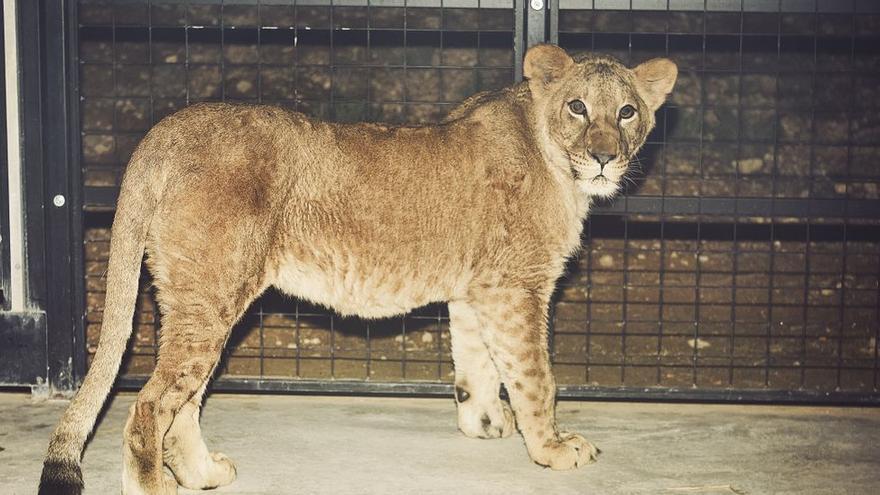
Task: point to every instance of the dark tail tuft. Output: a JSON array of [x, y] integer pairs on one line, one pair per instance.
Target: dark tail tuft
[[61, 478]]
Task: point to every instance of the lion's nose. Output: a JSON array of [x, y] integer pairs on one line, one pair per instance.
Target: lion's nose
[[603, 158]]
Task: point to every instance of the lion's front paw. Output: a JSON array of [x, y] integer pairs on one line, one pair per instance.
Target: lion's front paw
[[494, 420], [569, 451]]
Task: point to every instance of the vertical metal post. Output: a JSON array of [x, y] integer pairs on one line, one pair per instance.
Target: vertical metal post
[[531, 29], [4, 189], [518, 38], [536, 22], [53, 183], [17, 285], [66, 300]]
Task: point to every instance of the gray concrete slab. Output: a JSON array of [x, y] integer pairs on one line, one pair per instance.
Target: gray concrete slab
[[338, 445]]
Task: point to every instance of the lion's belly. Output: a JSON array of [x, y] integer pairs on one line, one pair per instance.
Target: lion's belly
[[371, 293]]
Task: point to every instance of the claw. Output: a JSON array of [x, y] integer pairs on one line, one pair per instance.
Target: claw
[[569, 451]]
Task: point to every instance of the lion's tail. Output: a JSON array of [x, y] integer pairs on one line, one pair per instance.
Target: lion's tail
[[137, 203]]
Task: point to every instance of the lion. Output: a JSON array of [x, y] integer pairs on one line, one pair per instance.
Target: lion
[[480, 211]]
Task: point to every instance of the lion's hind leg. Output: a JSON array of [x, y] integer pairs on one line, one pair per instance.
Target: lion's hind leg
[[185, 452], [183, 366], [194, 331]]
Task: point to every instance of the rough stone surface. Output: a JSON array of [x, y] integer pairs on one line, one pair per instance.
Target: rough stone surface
[[340, 445]]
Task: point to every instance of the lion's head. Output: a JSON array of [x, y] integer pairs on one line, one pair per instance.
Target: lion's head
[[593, 113]]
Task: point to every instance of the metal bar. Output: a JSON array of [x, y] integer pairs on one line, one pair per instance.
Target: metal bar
[[719, 395], [66, 349], [298, 338], [4, 191], [370, 111], [850, 117], [661, 276], [406, 61], [771, 275], [876, 351], [260, 76], [439, 343], [75, 192], [223, 53], [805, 313], [331, 111], [536, 22], [698, 294], [31, 103], [746, 207], [519, 37], [627, 245], [735, 242], [17, 296], [98, 31], [770, 6], [582, 392], [765, 6], [457, 4], [588, 347]]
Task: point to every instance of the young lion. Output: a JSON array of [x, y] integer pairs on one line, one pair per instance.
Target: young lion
[[480, 211]]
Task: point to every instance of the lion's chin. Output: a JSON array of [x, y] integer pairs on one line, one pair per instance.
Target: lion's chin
[[599, 186]]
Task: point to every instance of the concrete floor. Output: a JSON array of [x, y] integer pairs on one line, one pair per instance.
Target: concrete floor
[[330, 445]]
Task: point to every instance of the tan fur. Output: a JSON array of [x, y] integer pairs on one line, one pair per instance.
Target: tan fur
[[480, 211]]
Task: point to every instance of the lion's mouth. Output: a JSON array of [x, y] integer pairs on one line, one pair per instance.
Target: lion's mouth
[[601, 182], [579, 165], [599, 179]]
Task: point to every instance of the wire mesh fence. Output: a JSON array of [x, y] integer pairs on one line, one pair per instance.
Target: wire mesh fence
[[744, 255], [405, 62], [774, 285]]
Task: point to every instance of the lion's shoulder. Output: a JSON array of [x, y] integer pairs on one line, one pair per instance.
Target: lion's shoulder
[[494, 100]]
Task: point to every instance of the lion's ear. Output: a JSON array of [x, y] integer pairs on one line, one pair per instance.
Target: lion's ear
[[546, 63], [656, 77]]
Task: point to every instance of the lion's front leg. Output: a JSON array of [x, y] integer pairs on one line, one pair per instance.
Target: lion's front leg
[[481, 412], [516, 336]]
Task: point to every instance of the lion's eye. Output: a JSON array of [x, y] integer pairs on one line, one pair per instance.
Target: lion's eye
[[577, 107], [627, 112]]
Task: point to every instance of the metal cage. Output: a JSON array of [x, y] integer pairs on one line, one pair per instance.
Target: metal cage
[[743, 264]]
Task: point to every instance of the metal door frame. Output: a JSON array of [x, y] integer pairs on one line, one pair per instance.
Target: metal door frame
[[42, 343]]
